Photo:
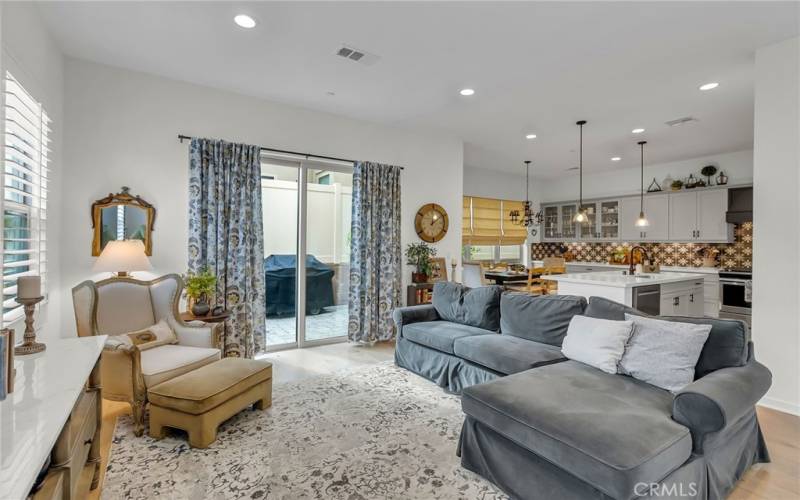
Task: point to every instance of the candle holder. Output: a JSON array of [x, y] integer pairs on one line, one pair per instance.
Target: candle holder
[[29, 344]]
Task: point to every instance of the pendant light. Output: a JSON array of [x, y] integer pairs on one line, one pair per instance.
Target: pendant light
[[642, 220], [580, 216]]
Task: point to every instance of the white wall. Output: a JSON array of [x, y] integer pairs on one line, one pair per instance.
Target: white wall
[[738, 166], [122, 129], [33, 58], [776, 224]]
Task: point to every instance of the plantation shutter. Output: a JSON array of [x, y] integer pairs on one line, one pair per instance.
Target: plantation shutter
[[24, 201]]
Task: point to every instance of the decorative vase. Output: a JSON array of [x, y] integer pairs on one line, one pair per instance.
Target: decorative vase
[[201, 307], [419, 277], [722, 179]]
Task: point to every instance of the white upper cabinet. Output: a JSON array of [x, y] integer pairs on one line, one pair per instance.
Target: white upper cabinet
[[711, 209], [699, 216], [683, 216], [656, 209]]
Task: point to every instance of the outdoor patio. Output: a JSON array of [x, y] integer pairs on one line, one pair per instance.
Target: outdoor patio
[[331, 323]]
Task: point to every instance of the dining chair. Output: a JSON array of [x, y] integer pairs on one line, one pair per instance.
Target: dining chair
[[472, 275]]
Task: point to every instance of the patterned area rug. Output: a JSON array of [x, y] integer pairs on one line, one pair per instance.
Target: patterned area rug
[[377, 432]]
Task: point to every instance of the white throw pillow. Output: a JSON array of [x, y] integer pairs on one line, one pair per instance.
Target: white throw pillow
[[596, 342], [153, 336], [663, 353]]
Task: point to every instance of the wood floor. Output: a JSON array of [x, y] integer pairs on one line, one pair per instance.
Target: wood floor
[[779, 480]]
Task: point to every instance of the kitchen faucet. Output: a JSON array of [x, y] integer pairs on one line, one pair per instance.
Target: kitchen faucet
[[632, 269]]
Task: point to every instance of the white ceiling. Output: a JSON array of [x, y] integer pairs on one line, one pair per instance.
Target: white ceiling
[[536, 67]]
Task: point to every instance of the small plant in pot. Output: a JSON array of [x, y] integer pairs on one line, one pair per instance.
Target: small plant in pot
[[199, 288], [676, 185], [419, 255]]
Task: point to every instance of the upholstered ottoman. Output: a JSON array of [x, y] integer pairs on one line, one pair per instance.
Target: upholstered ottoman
[[200, 400]]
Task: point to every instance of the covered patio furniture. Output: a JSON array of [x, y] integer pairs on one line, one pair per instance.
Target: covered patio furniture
[[280, 273]]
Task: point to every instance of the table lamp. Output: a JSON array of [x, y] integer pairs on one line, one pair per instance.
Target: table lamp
[[122, 257]]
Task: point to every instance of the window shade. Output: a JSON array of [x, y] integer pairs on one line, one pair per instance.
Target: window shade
[[24, 201], [485, 221], [513, 234]]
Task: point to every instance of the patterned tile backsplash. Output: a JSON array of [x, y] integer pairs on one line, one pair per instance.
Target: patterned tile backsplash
[[738, 254]]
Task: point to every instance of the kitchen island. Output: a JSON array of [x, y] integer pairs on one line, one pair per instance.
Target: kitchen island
[[671, 293]]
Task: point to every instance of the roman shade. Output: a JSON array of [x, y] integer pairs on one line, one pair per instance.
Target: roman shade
[[513, 234], [486, 221]]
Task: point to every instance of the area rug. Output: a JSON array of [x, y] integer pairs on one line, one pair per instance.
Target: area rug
[[371, 433]]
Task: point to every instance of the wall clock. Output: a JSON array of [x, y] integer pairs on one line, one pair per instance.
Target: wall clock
[[431, 222]]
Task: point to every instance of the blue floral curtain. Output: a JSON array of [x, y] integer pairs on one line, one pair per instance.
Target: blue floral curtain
[[226, 236], [375, 252]]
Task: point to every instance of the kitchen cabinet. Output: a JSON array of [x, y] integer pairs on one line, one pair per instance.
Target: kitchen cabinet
[[682, 299], [609, 220], [656, 209], [588, 228], [699, 216], [559, 223]]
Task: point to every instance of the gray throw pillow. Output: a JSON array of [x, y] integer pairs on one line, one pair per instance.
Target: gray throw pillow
[[663, 353], [478, 307]]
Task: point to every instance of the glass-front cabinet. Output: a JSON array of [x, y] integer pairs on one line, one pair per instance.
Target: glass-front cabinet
[[602, 221], [609, 220], [588, 227], [569, 229]]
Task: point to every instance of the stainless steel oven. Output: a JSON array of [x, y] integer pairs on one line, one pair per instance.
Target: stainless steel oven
[[735, 294]]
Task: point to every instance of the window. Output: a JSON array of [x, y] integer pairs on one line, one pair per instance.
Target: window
[[495, 253], [24, 201]]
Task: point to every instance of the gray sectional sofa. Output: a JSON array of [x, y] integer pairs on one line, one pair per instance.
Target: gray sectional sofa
[[542, 427]]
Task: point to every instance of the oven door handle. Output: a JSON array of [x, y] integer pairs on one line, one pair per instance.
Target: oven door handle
[[732, 282]]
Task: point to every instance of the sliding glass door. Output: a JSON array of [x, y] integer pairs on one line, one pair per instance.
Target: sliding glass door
[[307, 208]]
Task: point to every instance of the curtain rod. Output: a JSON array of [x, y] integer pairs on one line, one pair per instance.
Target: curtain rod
[[308, 156]]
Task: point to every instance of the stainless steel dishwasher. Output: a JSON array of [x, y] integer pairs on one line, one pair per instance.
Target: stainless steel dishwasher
[[647, 299]]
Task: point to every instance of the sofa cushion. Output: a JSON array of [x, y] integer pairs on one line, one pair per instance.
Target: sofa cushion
[[478, 307], [727, 344], [597, 342], [506, 354], [542, 318], [611, 431], [168, 361], [440, 335]]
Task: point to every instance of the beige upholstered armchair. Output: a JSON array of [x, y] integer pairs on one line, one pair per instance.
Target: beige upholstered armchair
[[121, 305]]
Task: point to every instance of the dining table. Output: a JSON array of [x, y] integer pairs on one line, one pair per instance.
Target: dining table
[[503, 277]]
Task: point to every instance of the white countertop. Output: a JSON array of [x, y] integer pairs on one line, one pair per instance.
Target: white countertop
[[619, 280], [683, 269], [46, 388]]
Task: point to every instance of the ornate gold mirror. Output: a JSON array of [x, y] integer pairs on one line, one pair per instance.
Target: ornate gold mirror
[[122, 216]]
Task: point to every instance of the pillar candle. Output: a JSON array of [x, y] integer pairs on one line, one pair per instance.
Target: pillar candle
[[29, 287]]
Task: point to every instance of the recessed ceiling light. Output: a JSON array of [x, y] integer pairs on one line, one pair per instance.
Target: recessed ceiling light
[[467, 92], [615, 158], [709, 86], [530, 136], [637, 130], [245, 21]]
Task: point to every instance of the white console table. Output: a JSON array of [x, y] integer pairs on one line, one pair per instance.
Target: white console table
[[54, 412]]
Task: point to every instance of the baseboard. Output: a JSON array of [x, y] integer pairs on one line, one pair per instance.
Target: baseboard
[[780, 405]]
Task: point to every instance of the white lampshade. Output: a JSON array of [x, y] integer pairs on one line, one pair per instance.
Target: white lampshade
[[122, 257], [642, 221]]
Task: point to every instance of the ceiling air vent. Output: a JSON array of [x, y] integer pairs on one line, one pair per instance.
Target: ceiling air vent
[[357, 55], [681, 121]]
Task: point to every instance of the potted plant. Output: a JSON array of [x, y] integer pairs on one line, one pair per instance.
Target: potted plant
[[199, 288], [419, 255], [676, 185], [709, 171]]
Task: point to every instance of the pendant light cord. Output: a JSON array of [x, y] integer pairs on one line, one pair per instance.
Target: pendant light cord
[[527, 176], [581, 123], [641, 190]]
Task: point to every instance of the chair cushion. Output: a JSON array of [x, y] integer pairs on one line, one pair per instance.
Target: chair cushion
[[168, 361], [506, 354], [611, 431], [542, 318], [207, 387], [440, 335], [478, 307], [727, 344]]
